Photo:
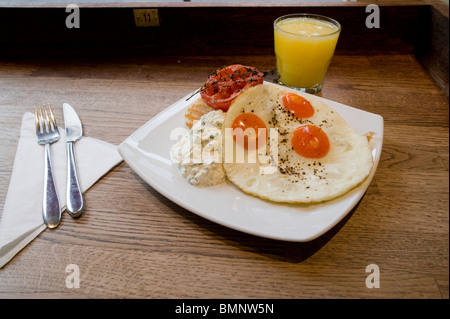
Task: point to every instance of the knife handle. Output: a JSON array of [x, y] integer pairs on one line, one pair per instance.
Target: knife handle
[[74, 196]]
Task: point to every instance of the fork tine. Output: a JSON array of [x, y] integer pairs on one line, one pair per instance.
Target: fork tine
[[41, 120], [55, 126], [36, 117], [47, 120]]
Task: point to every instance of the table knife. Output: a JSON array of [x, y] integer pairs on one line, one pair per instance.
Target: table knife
[[74, 131]]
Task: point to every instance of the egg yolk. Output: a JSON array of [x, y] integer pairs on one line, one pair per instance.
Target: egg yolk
[[297, 105], [310, 141], [250, 130]]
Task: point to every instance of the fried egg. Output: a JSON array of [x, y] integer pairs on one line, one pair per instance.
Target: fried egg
[[287, 146]]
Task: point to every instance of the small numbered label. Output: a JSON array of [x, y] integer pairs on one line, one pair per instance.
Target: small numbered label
[[146, 17]]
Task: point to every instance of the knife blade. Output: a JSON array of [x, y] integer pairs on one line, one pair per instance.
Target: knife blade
[[74, 132]]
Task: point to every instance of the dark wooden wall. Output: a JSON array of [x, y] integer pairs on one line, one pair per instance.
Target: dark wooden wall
[[419, 28], [195, 30]]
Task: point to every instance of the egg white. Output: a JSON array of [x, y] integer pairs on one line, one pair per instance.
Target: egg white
[[293, 178]]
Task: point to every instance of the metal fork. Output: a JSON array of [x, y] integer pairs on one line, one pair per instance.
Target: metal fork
[[46, 134]]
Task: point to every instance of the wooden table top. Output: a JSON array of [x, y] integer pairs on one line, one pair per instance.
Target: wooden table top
[[135, 243]]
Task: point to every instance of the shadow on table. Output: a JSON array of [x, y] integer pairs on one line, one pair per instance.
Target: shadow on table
[[293, 252]]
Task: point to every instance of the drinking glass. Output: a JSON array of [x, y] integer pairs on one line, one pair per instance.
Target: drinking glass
[[304, 46]]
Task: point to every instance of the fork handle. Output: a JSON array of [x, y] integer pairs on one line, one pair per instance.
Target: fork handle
[[51, 211], [75, 202]]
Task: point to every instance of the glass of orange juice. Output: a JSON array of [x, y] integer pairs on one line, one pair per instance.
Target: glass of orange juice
[[304, 46]]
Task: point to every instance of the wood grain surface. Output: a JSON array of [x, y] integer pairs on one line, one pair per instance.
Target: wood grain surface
[[134, 243]]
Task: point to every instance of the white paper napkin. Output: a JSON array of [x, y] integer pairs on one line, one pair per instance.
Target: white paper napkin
[[21, 220]]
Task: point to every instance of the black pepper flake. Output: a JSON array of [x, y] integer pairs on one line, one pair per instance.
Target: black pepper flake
[[288, 170]]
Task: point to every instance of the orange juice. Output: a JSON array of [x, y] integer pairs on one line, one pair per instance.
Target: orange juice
[[304, 45]]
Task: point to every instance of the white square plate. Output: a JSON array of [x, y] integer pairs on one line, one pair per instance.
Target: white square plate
[[147, 152]]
